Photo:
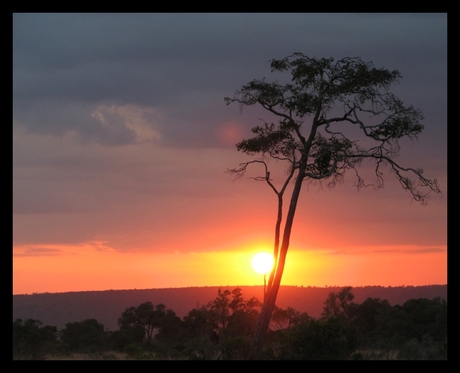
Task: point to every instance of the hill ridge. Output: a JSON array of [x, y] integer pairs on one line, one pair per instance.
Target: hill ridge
[[106, 306]]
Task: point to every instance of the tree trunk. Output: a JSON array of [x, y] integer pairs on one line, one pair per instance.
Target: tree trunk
[[263, 322]]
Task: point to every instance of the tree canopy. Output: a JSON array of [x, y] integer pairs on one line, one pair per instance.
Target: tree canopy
[[148, 317], [324, 100]]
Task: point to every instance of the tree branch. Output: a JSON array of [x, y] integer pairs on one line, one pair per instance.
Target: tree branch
[[405, 182], [241, 171]]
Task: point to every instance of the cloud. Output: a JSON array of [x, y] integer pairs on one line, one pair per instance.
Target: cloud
[[61, 249], [427, 250], [139, 120], [72, 118], [393, 249], [36, 251]]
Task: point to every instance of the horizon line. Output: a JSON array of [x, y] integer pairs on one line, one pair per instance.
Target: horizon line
[[225, 286]]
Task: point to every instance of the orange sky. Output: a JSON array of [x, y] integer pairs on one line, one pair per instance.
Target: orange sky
[[94, 268]]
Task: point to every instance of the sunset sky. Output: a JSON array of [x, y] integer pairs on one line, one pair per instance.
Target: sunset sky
[[121, 140]]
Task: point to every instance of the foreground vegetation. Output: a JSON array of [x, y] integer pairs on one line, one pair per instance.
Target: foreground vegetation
[[223, 329]]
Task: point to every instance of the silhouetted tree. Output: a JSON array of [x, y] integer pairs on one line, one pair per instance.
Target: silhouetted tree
[[125, 336], [220, 308], [368, 317], [151, 318], [330, 339], [200, 333], [170, 327], [427, 317], [418, 328], [32, 339], [84, 336], [228, 307], [285, 319], [233, 318], [339, 304], [317, 115], [199, 322]]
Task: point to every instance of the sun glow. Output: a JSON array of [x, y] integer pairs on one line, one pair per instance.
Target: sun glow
[[96, 266], [262, 263]]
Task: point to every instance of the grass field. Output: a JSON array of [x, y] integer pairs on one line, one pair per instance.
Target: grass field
[[108, 355], [115, 355]]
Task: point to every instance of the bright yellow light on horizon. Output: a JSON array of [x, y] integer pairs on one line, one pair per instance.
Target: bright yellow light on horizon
[[262, 263]]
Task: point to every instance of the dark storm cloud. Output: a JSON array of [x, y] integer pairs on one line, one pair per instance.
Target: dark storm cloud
[[65, 65]]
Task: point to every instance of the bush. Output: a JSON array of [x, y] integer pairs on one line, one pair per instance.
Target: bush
[[427, 349], [237, 348], [329, 339], [32, 340], [85, 336]]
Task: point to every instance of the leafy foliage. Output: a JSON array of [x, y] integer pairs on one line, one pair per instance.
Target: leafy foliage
[[285, 319], [85, 336], [339, 304], [32, 340], [151, 318], [310, 103], [329, 339]]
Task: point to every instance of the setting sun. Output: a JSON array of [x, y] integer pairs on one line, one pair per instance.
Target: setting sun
[[262, 263]]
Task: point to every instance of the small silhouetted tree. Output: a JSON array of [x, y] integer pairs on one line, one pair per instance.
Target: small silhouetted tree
[[339, 304], [85, 336], [32, 339], [220, 308], [286, 318], [200, 322], [151, 318], [170, 328], [427, 317], [231, 313], [319, 116], [330, 339], [368, 319]]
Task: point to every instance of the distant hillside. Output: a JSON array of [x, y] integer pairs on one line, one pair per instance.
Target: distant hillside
[[106, 306]]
